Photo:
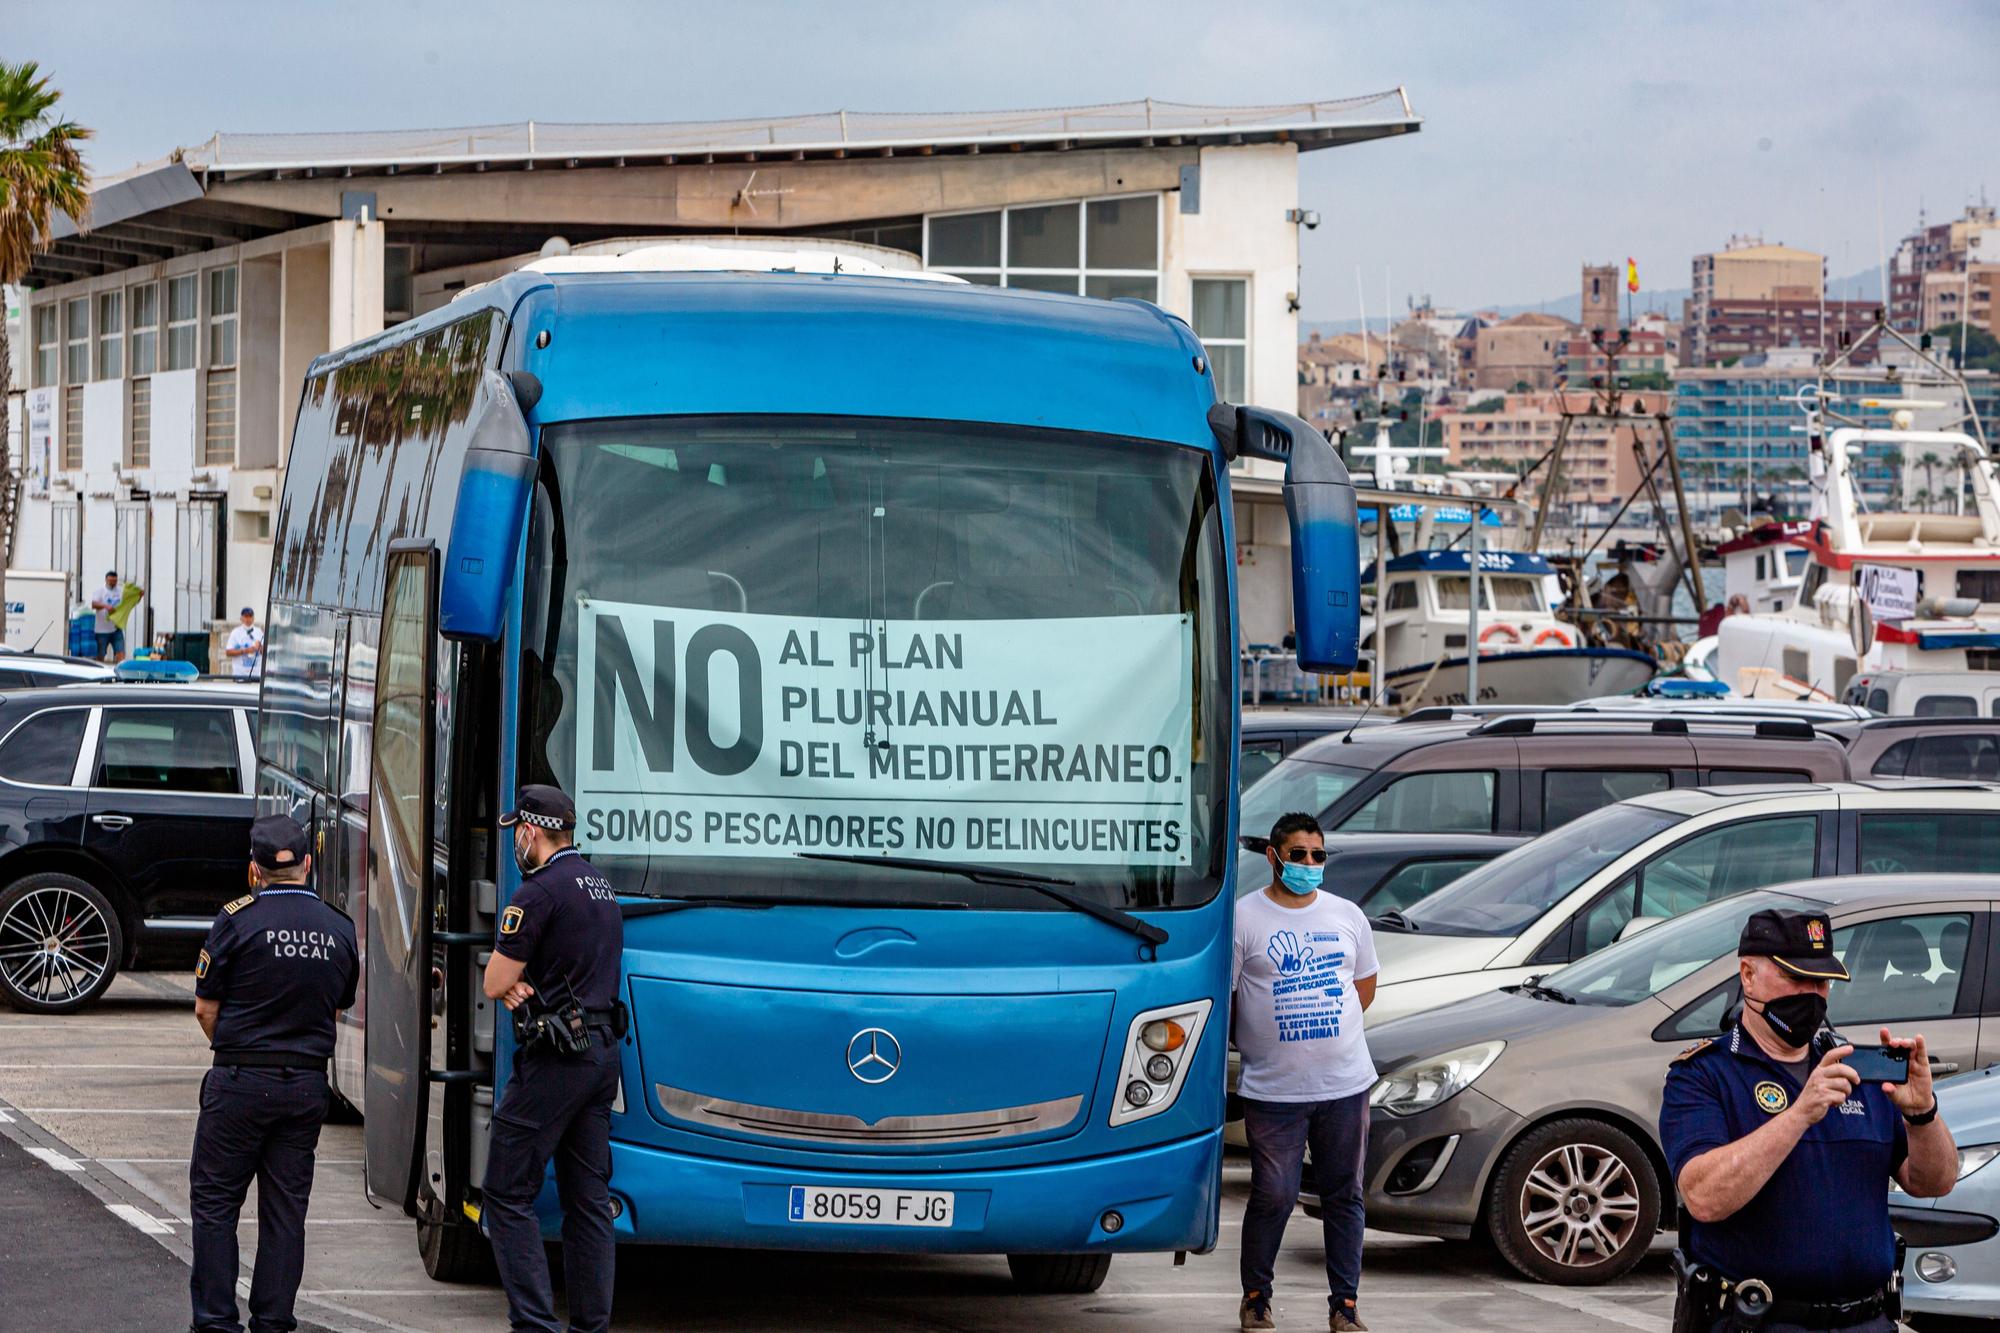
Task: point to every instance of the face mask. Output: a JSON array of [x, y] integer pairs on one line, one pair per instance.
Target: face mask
[[1301, 879], [1796, 1017], [521, 853]]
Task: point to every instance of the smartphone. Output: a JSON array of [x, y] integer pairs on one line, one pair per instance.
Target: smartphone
[[1880, 1064]]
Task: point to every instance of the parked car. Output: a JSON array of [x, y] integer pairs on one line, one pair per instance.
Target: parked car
[[1488, 1111], [1923, 747], [1952, 1267], [1269, 734], [1926, 693], [1628, 866], [1526, 772], [26, 671], [125, 816]]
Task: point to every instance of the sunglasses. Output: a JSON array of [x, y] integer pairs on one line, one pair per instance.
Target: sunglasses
[[1301, 855]]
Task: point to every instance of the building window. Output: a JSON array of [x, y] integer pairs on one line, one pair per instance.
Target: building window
[[222, 316], [140, 453], [1099, 247], [72, 439], [218, 432], [110, 335], [1221, 321], [146, 329], [46, 365], [76, 340], [182, 316]]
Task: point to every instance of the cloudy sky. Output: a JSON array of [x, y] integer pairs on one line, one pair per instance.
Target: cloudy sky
[[1554, 132]]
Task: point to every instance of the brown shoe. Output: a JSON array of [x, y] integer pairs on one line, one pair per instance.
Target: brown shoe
[[1255, 1312], [1346, 1321]]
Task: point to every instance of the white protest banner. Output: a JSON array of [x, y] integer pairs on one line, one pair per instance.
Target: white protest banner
[[711, 733], [1890, 591], [41, 438]]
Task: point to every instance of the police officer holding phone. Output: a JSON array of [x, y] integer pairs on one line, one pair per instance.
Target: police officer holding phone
[[277, 967], [555, 964], [1783, 1137]]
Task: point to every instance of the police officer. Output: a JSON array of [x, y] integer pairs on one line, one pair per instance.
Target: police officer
[[1783, 1156], [555, 964], [277, 967]]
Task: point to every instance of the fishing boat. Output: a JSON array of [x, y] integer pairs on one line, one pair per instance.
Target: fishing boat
[[1524, 653], [1882, 589]]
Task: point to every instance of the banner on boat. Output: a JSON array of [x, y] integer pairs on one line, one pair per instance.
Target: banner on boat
[[1890, 591], [710, 733]]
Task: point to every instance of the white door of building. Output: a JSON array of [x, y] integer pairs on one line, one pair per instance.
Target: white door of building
[[66, 548], [133, 558], [197, 562]]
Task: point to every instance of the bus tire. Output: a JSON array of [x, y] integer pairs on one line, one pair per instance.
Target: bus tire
[[28, 907], [1059, 1274], [455, 1252]]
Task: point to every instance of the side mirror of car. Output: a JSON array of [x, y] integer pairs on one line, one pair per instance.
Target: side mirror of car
[[1637, 924]]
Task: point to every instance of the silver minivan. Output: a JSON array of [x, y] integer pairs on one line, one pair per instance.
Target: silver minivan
[[1497, 1114]]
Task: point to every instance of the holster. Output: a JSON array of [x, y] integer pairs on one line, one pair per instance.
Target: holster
[[1697, 1295]]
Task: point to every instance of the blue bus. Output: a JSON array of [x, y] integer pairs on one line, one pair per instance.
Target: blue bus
[[883, 630]]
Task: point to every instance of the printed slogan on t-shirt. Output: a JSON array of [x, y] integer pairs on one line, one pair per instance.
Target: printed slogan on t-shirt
[[710, 733], [1307, 996]]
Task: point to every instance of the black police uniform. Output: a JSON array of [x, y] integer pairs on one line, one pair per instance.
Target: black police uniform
[[1818, 1233], [282, 963], [564, 923]]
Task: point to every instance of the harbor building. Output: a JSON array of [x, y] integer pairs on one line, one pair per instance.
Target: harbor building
[[1929, 272], [165, 345]]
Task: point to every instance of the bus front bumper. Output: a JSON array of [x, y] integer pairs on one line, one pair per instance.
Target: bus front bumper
[[1166, 1198]]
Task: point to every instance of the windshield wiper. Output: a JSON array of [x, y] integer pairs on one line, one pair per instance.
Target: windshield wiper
[[662, 906], [1395, 920], [1533, 986], [1045, 885]]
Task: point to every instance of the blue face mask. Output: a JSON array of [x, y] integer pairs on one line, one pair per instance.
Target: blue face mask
[[1301, 879]]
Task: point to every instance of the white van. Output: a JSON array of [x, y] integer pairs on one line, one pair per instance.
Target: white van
[[1926, 693]]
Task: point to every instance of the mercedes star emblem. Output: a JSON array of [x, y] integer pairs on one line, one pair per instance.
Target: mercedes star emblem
[[873, 1056]]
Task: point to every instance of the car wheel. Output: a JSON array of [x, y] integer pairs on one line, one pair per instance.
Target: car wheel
[[455, 1252], [60, 943], [1072, 1274], [1574, 1202]]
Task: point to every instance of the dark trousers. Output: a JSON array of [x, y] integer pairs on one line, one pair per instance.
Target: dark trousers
[[1881, 1323], [556, 1107], [1280, 1134], [261, 1123]]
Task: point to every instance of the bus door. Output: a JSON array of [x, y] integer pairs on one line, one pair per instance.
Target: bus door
[[400, 831]]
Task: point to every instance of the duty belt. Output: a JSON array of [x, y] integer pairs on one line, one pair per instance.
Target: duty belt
[[1705, 1296], [267, 1060]]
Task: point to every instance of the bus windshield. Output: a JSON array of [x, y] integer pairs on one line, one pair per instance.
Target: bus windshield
[[749, 638]]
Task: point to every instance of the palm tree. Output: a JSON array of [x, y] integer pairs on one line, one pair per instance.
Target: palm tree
[[41, 172], [1928, 463]]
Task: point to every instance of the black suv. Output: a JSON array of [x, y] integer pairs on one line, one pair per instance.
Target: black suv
[[124, 826]]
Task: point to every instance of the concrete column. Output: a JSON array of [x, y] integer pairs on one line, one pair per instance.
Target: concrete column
[[354, 282], [304, 331]]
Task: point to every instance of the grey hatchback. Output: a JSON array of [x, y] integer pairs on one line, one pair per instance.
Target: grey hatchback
[[1531, 1114]]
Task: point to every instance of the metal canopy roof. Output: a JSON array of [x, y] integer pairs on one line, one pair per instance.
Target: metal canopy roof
[[161, 210], [831, 135]]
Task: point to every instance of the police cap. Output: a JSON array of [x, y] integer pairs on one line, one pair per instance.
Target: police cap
[[543, 806], [278, 843], [1799, 942]]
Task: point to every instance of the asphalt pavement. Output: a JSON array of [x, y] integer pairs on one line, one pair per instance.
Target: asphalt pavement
[[99, 1239]]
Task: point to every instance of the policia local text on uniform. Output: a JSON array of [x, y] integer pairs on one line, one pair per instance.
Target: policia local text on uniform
[[1783, 1155]]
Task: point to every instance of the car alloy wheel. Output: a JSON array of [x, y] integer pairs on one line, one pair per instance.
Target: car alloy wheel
[[60, 944], [1579, 1204], [1574, 1202]]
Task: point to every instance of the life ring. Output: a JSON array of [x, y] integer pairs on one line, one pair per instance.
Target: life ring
[[1513, 635], [1560, 635]]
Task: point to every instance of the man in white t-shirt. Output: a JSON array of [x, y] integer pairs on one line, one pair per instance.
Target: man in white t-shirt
[[245, 648], [1304, 971]]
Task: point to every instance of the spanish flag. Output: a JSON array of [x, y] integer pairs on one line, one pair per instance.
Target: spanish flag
[[1631, 274]]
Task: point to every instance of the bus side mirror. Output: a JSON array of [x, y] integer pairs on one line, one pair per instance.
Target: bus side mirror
[[492, 509], [1326, 547]]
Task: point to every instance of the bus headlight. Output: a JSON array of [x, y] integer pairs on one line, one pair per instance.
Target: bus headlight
[[1159, 1047]]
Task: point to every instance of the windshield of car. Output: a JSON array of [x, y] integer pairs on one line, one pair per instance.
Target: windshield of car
[[1647, 963], [1294, 785], [747, 638], [1509, 892]]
